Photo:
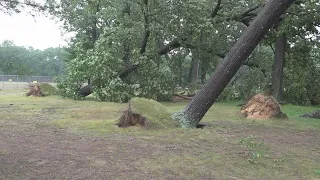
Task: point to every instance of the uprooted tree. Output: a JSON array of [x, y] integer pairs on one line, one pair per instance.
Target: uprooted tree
[[262, 106], [191, 115]]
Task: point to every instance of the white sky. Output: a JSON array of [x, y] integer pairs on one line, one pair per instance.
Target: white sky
[[24, 30]]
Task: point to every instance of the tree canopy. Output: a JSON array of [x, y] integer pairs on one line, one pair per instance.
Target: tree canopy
[[147, 48]]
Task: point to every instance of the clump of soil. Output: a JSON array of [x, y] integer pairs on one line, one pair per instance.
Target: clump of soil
[[130, 118], [146, 113], [34, 90], [39, 90], [262, 107], [315, 115]]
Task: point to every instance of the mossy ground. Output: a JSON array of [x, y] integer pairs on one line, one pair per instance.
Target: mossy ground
[[158, 116], [56, 138], [48, 89]]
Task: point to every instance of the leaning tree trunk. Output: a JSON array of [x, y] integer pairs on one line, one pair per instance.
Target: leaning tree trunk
[[190, 116], [277, 68]]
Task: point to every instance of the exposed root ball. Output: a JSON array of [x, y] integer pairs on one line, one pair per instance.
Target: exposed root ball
[[34, 90], [262, 107], [148, 114], [130, 118]]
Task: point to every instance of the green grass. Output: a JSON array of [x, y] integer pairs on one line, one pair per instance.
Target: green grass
[[214, 151], [158, 116], [48, 89]]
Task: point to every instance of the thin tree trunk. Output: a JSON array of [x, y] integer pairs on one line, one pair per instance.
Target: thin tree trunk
[[194, 68], [191, 115], [277, 68]]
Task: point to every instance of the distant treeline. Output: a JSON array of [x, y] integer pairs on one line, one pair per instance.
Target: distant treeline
[[28, 61]]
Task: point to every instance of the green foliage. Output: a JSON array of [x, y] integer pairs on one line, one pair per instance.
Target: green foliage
[[109, 38], [302, 74], [14, 6]]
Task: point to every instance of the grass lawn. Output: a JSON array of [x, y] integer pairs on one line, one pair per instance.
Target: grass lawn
[[56, 138]]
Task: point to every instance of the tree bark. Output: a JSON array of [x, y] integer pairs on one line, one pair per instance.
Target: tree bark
[[277, 68], [85, 90], [191, 115]]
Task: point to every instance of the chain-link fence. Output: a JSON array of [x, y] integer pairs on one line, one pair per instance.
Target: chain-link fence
[[8, 82]]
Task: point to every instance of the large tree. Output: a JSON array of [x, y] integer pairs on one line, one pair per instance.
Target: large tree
[[192, 114], [140, 40]]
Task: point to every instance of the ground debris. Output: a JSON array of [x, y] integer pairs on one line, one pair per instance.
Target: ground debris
[[314, 114], [262, 107]]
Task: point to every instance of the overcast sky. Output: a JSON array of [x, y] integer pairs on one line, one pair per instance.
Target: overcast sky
[[24, 30]]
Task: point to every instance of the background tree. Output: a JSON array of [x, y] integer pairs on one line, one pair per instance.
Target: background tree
[[28, 61], [133, 48], [16, 6]]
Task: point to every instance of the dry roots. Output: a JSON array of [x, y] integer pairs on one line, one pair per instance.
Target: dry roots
[[34, 90], [130, 118], [262, 107]]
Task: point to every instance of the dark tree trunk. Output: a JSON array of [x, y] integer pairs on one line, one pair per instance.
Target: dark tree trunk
[[180, 71], [277, 68], [191, 115], [194, 68], [126, 54], [85, 90], [204, 70]]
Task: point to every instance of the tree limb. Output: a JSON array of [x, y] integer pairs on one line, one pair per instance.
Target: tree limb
[[170, 46], [146, 35], [246, 16], [216, 9]]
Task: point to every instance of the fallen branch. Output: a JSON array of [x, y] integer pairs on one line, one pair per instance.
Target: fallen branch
[[183, 97]]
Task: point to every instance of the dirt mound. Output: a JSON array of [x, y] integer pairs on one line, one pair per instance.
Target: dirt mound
[[34, 90], [262, 107], [130, 118], [315, 115], [48, 89], [146, 113], [39, 90]]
